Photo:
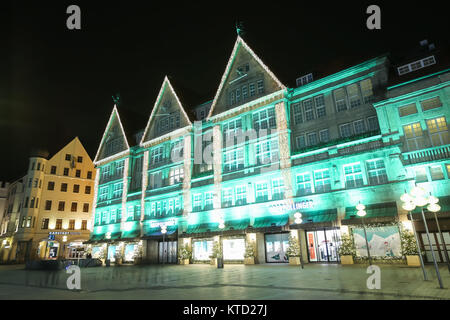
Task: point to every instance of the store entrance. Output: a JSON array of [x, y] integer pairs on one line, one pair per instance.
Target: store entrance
[[167, 252], [437, 244], [323, 245], [276, 247]]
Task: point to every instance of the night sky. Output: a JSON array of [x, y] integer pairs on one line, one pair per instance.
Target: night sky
[[56, 84]]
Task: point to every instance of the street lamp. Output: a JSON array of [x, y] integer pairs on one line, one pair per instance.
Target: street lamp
[[434, 207], [163, 231], [298, 220], [417, 198], [361, 213], [221, 227]]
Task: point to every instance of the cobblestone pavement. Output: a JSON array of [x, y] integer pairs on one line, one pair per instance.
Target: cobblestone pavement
[[234, 282]]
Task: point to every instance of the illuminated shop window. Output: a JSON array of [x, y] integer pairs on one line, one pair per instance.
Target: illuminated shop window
[[320, 106], [407, 110], [234, 159], [421, 174], [309, 109], [448, 170], [304, 184], [241, 195], [176, 175], [322, 181], [227, 197], [353, 95], [277, 189], [298, 115], [438, 131], [353, 175], [197, 202], [262, 192], [366, 90], [340, 99], [436, 173], [376, 171], [414, 136], [264, 119]]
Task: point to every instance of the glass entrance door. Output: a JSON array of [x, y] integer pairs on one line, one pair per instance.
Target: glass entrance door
[[437, 244], [323, 245], [276, 247], [168, 252]]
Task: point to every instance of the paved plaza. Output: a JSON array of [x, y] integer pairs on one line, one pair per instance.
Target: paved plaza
[[234, 282]]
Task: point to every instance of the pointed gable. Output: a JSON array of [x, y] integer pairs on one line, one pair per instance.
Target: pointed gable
[[114, 140], [167, 114], [246, 78]]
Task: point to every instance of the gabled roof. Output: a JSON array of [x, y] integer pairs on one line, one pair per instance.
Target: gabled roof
[[113, 117], [237, 46], [166, 85]]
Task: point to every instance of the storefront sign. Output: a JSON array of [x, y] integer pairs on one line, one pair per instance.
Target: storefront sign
[[159, 224], [62, 233], [289, 205]]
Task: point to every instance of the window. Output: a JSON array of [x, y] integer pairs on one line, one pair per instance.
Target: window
[[48, 205], [300, 141], [267, 151], [177, 150], [103, 194], [304, 80], [436, 173], [53, 170], [277, 189], [241, 195], [36, 181], [209, 196], [260, 86], [298, 116], [155, 180], [51, 185], [45, 222], [322, 180], [421, 174], [324, 135], [376, 171], [38, 166], [28, 222], [71, 224], [87, 190], [244, 92], [119, 168], [425, 62], [264, 119], [339, 98], [89, 175], [438, 131], [79, 159], [118, 189], [157, 155], [58, 225], [407, 110], [346, 130], [105, 172], [366, 90], [231, 129], [176, 175], [309, 111], [197, 202], [353, 95], [320, 106], [32, 165], [86, 207], [372, 123], [238, 95], [414, 136], [76, 188], [251, 89], [84, 225], [234, 159], [66, 172], [64, 187], [78, 173], [262, 192], [429, 104], [227, 197], [26, 203], [353, 175], [359, 126], [74, 207], [304, 185], [448, 170], [68, 157], [104, 217], [61, 206], [232, 97], [312, 138]]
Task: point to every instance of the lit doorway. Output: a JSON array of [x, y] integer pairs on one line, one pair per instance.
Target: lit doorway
[[167, 252], [323, 245]]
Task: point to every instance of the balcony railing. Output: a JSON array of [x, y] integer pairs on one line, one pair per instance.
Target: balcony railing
[[425, 155]]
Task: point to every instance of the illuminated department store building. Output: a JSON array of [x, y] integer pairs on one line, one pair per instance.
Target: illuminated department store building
[[362, 135]]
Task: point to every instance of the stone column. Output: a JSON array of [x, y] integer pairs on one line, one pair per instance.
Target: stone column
[[217, 156], [143, 189], [94, 202], [284, 148], [187, 151]]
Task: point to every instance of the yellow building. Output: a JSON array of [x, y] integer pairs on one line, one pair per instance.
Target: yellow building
[[56, 211]]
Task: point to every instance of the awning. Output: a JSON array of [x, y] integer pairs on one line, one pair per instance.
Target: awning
[[203, 227], [115, 235], [131, 234], [387, 209], [157, 231], [96, 237], [271, 221], [319, 216], [237, 224]]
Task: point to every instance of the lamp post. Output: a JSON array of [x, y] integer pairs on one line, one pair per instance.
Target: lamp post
[[163, 231], [298, 220], [417, 198], [409, 206], [220, 260], [434, 207], [361, 212]]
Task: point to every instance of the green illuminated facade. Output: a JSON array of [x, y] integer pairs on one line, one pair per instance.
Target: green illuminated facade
[[319, 149]]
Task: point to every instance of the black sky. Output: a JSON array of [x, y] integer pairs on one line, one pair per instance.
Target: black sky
[[56, 84]]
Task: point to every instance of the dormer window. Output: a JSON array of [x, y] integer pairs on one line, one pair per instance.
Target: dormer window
[[168, 123]]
